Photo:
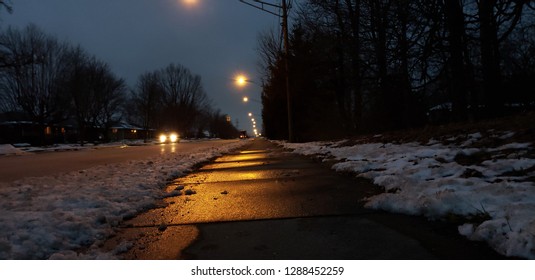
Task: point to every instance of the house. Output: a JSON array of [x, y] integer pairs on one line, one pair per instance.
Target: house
[[16, 127], [125, 131]]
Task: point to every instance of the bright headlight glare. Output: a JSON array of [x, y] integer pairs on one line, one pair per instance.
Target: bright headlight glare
[[173, 138], [163, 138]]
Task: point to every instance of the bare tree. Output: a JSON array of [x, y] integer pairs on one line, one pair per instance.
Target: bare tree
[[455, 22], [110, 99], [146, 102], [4, 59], [183, 98], [96, 94], [497, 20], [269, 50], [31, 80], [385, 62]]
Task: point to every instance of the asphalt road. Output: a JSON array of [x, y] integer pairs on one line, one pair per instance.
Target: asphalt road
[[266, 203], [51, 163]]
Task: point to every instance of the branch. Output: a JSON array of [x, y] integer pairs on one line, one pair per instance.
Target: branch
[[516, 15], [6, 6]]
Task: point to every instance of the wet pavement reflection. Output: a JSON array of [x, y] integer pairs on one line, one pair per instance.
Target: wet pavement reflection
[[255, 184], [266, 203], [168, 148]]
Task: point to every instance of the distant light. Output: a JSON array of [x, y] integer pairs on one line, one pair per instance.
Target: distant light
[[241, 80], [190, 3], [246, 99]]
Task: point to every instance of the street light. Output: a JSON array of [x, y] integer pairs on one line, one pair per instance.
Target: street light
[[247, 99], [190, 3], [241, 80], [283, 7], [254, 124]]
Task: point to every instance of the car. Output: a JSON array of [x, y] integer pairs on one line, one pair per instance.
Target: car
[[170, 137], [243, 134]]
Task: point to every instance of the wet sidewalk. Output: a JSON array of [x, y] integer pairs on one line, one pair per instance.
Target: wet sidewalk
[[266, 203]]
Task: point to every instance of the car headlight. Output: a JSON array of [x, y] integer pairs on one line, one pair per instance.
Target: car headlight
[[173, 138], [163, 138]]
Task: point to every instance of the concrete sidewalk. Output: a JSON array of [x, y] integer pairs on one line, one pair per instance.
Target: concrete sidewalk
[[265, 203]]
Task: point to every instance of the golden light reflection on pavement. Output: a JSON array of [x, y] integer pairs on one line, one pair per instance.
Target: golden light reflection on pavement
[[168, 148], [271, 204]]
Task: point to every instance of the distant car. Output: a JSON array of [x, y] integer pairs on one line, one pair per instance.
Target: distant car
[[170, 137], [243, 135]]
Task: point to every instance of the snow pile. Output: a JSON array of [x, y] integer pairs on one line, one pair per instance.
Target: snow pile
[[492, 188], [24, 148], [73, 147], [7, 149], [53, 217]]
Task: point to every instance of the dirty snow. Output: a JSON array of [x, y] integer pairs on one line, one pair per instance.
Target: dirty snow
[[7, 149], [54, 217], [496, 195]]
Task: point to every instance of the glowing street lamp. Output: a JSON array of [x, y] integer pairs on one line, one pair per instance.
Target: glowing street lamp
[[241, 80], [247, 99], [190, 3]]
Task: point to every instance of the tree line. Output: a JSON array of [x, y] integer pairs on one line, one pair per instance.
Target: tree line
[[173, 98], [360, 66], [51, 81]]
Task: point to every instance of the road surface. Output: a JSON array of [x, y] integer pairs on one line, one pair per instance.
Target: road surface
[[50, 163]]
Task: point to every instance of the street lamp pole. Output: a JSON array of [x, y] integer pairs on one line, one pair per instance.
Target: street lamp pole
[[261, 5]]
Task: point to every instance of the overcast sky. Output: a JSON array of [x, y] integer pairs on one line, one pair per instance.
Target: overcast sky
[[214, 38]]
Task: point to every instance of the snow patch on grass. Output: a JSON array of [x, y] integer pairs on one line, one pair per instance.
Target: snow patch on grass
[[433, 180], [57, 216]]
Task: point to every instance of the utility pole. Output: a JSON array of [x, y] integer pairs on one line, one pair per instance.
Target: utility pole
[[284, 7], [287, 65]]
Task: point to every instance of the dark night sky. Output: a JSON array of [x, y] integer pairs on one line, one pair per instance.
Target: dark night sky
[[214, 38]]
